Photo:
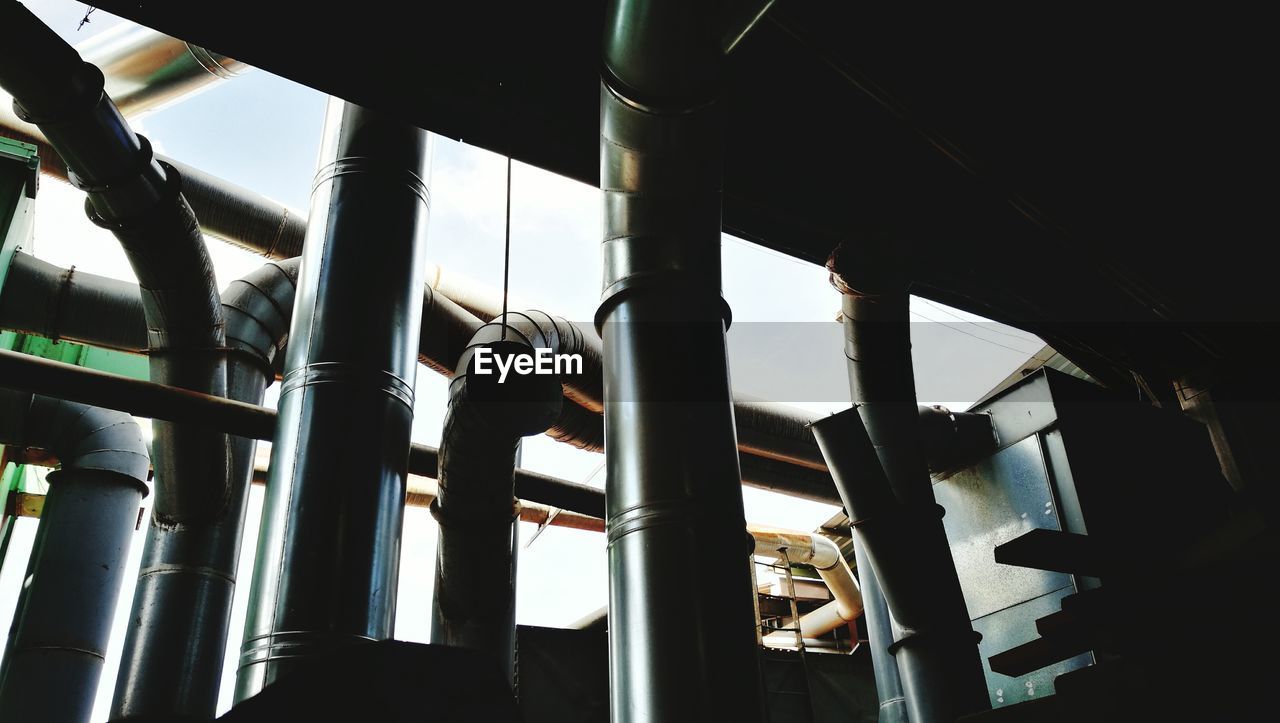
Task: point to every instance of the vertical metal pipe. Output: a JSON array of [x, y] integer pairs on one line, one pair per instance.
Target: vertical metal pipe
[[681, 645], [936, 650], [328, 553], [64, 617], [893, 706], [173, 653], [58, 640]]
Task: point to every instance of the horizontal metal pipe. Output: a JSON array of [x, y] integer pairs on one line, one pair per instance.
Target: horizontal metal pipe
[[157, 401]]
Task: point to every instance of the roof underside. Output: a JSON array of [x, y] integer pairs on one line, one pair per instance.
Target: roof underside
[[1084, 173]]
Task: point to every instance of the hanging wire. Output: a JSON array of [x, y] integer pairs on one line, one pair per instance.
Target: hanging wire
[[506, 255]]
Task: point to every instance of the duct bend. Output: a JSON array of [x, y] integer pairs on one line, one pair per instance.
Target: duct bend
[[172, 663], [476, 507], [140, 201], [63, 620], [824, 556]]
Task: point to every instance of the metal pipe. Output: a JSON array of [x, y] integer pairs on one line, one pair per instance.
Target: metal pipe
[[173, 652], [40, 298], [23, 372], [476, 507], [779, 454], [328, 552], [893, 705], [141, 202], [824, 556], [58, 640], [936, 652], [685, 651], [146, 70]]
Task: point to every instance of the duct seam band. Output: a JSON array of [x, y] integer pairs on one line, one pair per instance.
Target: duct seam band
[[352, 165], [916, 639], [295, 644], [660, 514], [210, 62], [349, 374], [669, 279], [200, 571]]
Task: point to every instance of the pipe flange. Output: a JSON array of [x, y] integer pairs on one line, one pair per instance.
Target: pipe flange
[[170, 191], [667, 280], [916, 638]]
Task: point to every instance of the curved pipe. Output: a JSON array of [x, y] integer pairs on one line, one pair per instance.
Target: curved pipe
[[476, 505], [140, 201], [824, 556], [62, 625], [173, 652], [43, 299]]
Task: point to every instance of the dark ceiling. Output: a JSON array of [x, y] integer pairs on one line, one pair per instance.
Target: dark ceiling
[[1088, 172]]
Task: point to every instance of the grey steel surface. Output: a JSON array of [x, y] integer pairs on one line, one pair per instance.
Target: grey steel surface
[[1014, 626], [990, 504], [328, 552]]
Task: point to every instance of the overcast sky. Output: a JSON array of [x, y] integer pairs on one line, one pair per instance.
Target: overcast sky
[[263, 132]]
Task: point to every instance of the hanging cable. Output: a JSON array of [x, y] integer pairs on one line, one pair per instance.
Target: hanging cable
[[506, 256]]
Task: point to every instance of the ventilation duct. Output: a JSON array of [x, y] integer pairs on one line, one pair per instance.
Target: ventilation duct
[[474, 602], [877, 457], [673, 477], [140, 201], [173, 653], [58, 640], [328, 551], [779, 452]]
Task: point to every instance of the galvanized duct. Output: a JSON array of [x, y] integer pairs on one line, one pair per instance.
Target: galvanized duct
[[876, 455], [58, 640], [43, 299], [474, 602], [24, 372], [140, 201], [673, 480], [875, 611], [173, 654], [328, 552], [40, 298]]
